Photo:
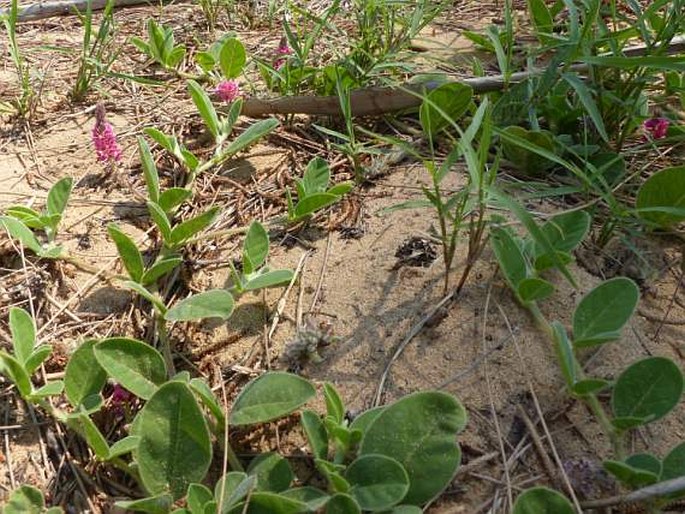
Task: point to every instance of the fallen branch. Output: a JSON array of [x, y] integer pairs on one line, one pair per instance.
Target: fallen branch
[[41, 10], [383, 100], [646, 493]]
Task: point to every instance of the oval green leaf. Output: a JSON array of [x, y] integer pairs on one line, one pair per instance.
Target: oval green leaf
[[270, 396], [419, 432], [540, 500], [378, 482], [663, 190], [602, 313], [272, 471], [135, 365], [175, 448], [215, 303], [648, 389]]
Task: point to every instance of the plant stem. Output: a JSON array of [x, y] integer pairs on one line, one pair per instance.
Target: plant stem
[[164, 342], [590, 400]]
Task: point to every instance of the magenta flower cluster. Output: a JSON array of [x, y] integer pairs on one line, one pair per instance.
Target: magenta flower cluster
[[656, 128], [228, 90], [104, 138], [282, 51]]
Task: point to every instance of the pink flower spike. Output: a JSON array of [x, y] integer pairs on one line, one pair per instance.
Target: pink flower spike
[[282, 51], [228, 90], [656, 128], [104, 139]]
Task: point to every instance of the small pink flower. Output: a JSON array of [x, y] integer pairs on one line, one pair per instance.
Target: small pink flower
[[656, 128], [282, 51], [228, 90], [120, 400], [104, 138]]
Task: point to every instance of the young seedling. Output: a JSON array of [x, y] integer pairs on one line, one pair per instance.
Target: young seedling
[[26, 103], [97, 54], [160, 46], [20, 221], [225, 58], [254, 274], [313, 193], [27, 498]]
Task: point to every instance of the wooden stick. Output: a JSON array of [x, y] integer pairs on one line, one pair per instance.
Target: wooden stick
[[383, 100], [41, 10]]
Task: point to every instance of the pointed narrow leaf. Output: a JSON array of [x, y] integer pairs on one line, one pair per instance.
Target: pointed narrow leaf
[[123, 446], [159, 269], [316, 434], [161, 220], [17, 230], [602, 313], [23, 332], [533, 289], [205, 107], [273, 278], [49, 389], [58, 196], [201, 388], [334, 404], [255, 248], [128, 252], [232, 488], [16, 372], [190, 228], [312, 203], [152, 298], [215, 303], [175, 448], [254, 133], [270, 396], [173, 197], [585, 96], [135, 365], [149, 170], [316, 176], [83, 425], [36, 358]]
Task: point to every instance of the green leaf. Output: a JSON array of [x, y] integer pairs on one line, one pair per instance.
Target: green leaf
[[81, 423], [663, 190], [215, 303], [58, 196], [16, 372], [589, 386], [233, 487], [149, 170], [533, 289], [270, 396], [255, 132], [541, 17], [335, 407], [648, 389], [198, 496], [161, 220], [378, 482], [316, 176], [673, 465], [443, 106], [272, 471], [626, 63], [316, 433], [26, 215], [629, 475], [509, 257], [567, 360], [128, 252], [585, 96], [150, 297], [314, 202], [36, 358], [255, 248], [363, 421], [341, 503], [17, 230], [175, 449], [540, 500], [602, 313], [201, 388], [646, 462], [159, 269], [419, 432], [266, 279], [270, 503], [232, 58], [340, 189], [49, 389], [405, 509], [205, 108], [123, 446], [564, 232], [525, 159], [332, 472], [313, 497], [135, 365], [25, 500], [160, 504], [190, 228], [173, 197], [23, 332], [83, 375]]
